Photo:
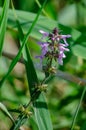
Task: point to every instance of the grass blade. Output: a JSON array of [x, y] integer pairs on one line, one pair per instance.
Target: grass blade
[[4, 109], [77, 109], [25, 39], [20, 121], [26, 18], [3, 23], [42, 114], [40, 107]]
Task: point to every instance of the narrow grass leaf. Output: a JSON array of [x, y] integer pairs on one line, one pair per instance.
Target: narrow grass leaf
[[3, 23], [19, 122], [44, 23], [41, 111], [26, 19], [25, 39], [33, 123], [78, 108], [42, 114], [4, 109]]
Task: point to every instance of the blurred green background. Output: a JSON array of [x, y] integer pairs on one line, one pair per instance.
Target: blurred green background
[[62, 96]]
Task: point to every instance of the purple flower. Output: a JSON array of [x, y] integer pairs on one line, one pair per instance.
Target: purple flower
[[61, 55], [61, 47], [64, 38], [45, 34], [60, 58], [52, 48], [44, 49]]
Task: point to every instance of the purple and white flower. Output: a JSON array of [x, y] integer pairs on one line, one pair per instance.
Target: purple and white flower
[[64, 38], [45, 34], [54, 47], [62, 48]]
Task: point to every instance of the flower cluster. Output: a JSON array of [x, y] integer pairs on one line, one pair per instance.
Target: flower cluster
[[53, 46]]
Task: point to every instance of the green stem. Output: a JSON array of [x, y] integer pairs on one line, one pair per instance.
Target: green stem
[[77, 109], [38, 3]]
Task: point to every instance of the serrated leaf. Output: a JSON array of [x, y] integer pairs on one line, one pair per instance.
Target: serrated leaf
[[4, 109]]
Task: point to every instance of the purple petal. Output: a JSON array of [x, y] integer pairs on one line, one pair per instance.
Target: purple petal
[[40, 43], [65, 42], [45, 34], [65, 36], [44, 48], [43, 43], [41, 57], [62, 48], [61, 44], [60, 61], [60, 58], [62, 55]]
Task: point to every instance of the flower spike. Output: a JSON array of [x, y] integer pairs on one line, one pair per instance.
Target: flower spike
[[53, 48]]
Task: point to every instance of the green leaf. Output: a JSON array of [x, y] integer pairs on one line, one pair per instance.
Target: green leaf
[[3, 23], [47, 24], [33, 123], [26, 19], [41, 111], [25, 39], [42, 114], [20, 121], [78, 108], [83, 127], [4, 109], [79, 50], [75, 34]]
